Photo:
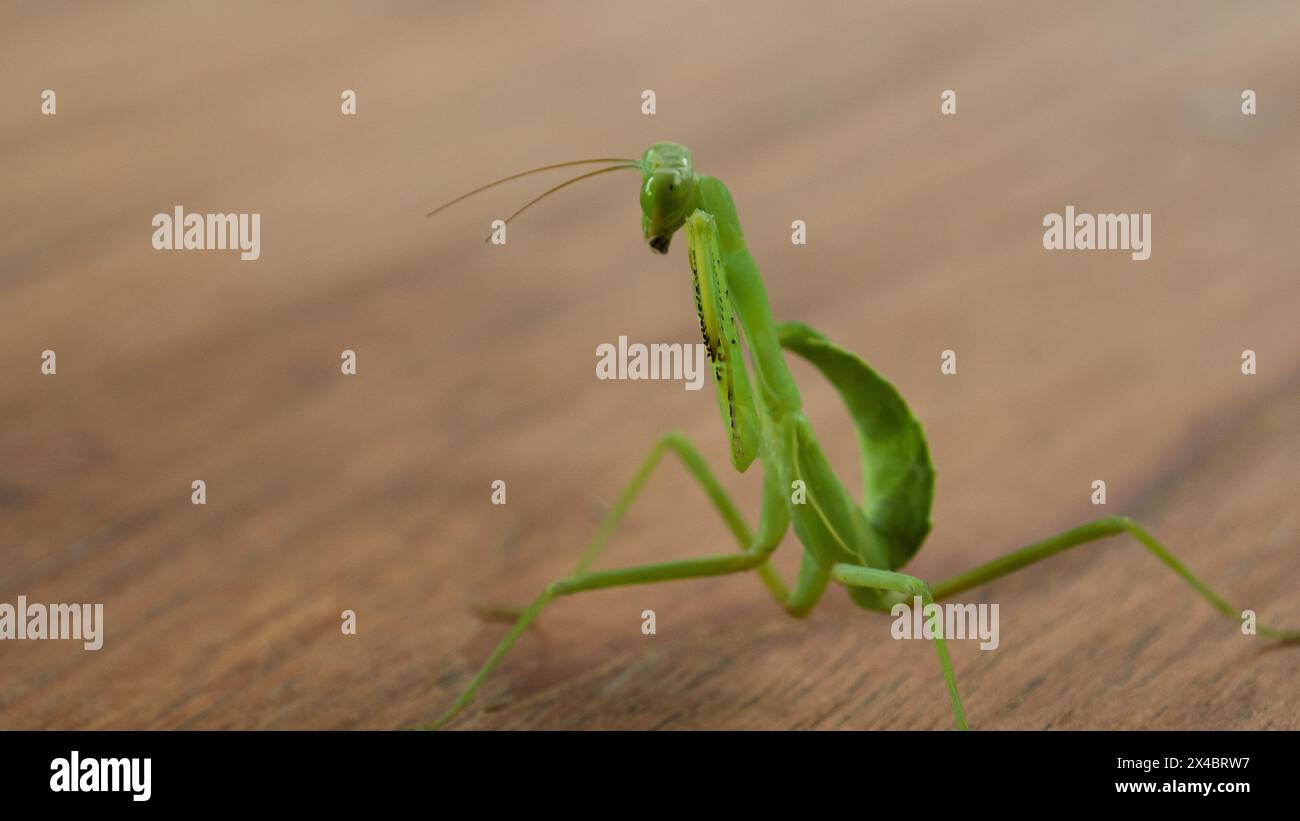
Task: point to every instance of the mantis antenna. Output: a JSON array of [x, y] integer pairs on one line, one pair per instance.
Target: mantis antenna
[[539, 169], [564, 184]]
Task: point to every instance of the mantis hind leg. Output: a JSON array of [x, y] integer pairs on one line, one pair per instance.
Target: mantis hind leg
[[1091, 532], [869, 577], [579, 582]]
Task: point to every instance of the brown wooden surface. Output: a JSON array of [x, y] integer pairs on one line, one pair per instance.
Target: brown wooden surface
[[476, 363]]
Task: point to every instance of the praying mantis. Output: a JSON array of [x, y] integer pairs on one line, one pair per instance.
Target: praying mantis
[[860, 546]]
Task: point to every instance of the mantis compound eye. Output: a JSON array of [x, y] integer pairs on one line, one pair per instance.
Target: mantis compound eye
[[663, 192]]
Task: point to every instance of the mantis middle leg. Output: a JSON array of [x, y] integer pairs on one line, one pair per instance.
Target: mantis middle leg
[[756, 550], [678, 443], [599, 580]]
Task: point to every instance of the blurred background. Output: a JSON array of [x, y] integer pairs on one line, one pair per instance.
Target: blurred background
[[476, 363]]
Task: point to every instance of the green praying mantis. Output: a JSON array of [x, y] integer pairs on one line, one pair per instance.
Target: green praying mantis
[[862, 547]]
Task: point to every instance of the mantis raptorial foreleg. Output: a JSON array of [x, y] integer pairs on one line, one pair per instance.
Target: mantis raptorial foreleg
[[871, 578], [600, 580], [718, 328], [1091, 532]]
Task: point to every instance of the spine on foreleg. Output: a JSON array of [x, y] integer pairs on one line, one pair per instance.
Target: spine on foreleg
[[721, 340]]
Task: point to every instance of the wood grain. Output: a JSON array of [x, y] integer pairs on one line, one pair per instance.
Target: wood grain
[[371, 492]]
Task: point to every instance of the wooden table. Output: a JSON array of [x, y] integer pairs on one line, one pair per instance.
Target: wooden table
[[328, 492]]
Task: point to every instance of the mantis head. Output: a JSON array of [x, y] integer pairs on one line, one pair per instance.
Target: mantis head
[[667, 192], [668, 189]]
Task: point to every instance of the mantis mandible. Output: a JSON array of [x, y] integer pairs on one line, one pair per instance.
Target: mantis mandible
[[862, 547]]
